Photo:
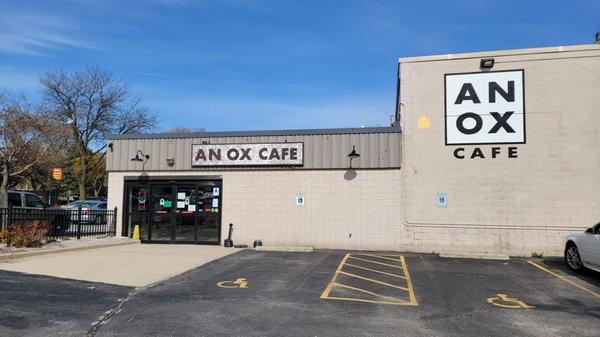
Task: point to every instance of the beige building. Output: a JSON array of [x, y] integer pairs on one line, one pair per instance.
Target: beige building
[[492, 152]]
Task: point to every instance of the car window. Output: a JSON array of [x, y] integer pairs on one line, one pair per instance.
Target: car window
[[32, 200], [14, 199], [102, 205], [597, 229]]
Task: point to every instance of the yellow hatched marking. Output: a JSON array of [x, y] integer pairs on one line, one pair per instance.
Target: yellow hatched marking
[[335, 275], [409, 289], [374, 281], [375, 270], [380, 263], [391, 299], [378, 256], [368, 301]]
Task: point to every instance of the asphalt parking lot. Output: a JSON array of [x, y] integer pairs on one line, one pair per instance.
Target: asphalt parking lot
[[34, 305], [339, 293]]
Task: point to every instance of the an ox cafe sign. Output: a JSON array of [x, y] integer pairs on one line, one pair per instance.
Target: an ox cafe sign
[[267, 154]]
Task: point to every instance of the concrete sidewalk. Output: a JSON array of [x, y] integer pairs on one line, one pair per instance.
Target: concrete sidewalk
[[133, 265]]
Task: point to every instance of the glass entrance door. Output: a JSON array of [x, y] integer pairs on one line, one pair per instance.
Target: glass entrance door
[[209, 215], [181, 211], [186, 213], [162, 213]]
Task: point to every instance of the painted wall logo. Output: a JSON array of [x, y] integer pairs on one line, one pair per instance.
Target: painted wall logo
[[485, 108]]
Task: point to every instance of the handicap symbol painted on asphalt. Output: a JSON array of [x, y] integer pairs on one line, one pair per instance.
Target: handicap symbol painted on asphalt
[[502, 300], [239, 283]]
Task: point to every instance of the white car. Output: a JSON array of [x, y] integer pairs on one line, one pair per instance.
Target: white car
[[583, 250]]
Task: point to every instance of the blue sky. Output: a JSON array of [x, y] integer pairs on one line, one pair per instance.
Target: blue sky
[[250, 64]]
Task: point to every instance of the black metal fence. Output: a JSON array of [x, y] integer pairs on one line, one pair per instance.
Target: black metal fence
[[63, 222]]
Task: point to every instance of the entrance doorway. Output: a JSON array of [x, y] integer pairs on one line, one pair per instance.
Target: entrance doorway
[[174, 211]]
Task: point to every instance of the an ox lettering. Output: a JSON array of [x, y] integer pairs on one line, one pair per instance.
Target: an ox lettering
[[502, 122], [245, 154]]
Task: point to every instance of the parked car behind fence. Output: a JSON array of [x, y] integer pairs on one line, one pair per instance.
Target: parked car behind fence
[[91, 219]]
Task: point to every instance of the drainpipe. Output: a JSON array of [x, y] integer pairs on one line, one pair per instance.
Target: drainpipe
[[398, 103]]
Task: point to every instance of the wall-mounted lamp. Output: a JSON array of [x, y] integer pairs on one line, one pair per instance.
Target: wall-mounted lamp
[[170, 161], [110, 146], [353, 155], [137, 156], [486, 63]]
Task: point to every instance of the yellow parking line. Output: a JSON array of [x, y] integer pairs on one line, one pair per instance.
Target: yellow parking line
[[374, 281], [368, 301], [381, 263], [375, 271], [411, 291], [564, 279], [378, 256]]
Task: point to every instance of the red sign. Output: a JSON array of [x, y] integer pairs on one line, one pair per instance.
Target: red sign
[[57, 173]]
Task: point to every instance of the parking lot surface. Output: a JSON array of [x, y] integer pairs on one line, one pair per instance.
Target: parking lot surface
[[33, 305], [339, 293]]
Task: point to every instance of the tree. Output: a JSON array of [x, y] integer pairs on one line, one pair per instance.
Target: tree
[[26, 139], [183, 129], [94, 103]]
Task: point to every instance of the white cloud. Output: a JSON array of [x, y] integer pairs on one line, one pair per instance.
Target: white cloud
[[37, 34]]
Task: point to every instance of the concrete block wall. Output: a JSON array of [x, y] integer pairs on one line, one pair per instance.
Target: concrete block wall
[[339, 212], [505, 205]]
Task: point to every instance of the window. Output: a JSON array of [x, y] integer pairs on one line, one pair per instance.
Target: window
[[14, 199], [102, 205], [32, 200]]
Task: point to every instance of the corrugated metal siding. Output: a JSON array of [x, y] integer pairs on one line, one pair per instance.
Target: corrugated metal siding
[[377, 150]]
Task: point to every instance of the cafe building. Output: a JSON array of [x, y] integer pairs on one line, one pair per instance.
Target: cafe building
[[489, 152]]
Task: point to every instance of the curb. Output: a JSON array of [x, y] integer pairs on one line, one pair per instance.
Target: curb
[[475, 256], [284, 249], [19, 255]]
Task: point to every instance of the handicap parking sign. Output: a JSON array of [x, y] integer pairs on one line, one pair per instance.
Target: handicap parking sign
[[441, 199], [299, 200]]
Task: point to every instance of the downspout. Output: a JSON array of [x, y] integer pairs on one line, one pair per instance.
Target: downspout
[[398, 103]]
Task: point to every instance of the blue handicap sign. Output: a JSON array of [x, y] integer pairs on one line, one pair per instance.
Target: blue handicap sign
[[441, 199]]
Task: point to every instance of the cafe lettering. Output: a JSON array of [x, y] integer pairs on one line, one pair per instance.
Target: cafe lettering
[[268, 154]]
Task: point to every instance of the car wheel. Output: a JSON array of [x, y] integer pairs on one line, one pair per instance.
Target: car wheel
[[572, 257]]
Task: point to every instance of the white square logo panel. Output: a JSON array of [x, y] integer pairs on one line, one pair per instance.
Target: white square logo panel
[[485, 108]]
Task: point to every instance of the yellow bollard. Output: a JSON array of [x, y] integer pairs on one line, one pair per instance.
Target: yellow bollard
[[136, 232]]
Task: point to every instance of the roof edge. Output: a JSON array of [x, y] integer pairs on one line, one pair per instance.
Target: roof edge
[[257, 133], [504, 52]]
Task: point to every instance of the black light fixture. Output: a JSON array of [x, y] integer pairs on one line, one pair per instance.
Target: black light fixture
[[137, 156], [353, 155], [486, 63]]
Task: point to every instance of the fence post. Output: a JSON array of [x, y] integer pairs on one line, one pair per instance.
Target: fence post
[[9, 216], [79, 222], [114, 223]]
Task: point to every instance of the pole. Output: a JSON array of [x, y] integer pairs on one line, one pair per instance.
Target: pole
[[228, 241], [79, 222]]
